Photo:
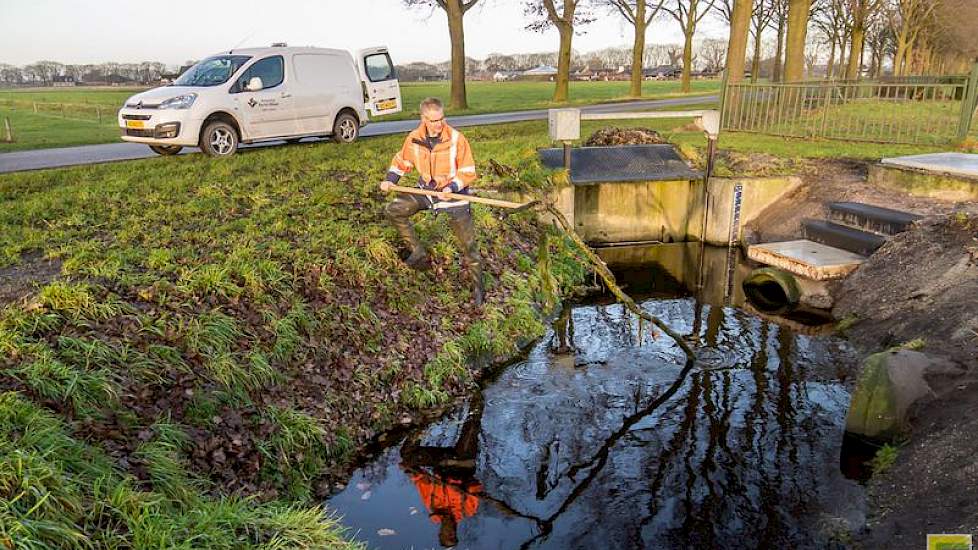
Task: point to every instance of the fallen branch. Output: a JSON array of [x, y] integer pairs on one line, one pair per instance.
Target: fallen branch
[[609, 280]]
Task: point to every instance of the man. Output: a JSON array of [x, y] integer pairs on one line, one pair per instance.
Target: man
[[443, 158]]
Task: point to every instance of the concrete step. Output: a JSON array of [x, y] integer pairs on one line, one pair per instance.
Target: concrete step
[[840, 236], [814, 260], [867, 217]]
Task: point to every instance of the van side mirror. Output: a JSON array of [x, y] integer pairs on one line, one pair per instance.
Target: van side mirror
[[253, 85]]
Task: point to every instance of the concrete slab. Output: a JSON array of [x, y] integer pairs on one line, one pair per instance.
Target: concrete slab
[[959, 164], [806, 258]]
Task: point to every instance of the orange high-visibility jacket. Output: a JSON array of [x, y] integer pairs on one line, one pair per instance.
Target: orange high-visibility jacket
[[446, 165], [442, 497]]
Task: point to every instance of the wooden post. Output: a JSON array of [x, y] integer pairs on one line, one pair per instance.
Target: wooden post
[[63, 115], [35, 107], [98, 111], [8, 134], [968, 104]]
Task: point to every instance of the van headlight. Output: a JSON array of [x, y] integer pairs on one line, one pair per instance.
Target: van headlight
[[179, 102]]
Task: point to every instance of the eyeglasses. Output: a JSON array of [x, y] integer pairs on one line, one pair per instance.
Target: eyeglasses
[[434, 121]]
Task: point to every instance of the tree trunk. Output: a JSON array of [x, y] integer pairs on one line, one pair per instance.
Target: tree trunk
[[858, 41], [798, 13], [755, 66], [901, 47], [779, 53], [831, 62], [688, 53], [456, 32], [737, 45], [638, 50], [840, 68], [561, 92]]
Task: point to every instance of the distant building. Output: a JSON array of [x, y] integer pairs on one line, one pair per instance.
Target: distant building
[[502, 76], [542, 70], [118, 80], [63, 81]]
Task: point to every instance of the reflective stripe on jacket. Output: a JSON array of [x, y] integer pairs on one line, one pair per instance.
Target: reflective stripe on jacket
[[445, 163]]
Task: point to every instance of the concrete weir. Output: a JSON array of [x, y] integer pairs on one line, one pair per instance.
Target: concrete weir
[[948, 176], [642, 193]]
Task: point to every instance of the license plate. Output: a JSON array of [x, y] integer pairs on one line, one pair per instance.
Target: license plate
[[387, 104], [135, 124]]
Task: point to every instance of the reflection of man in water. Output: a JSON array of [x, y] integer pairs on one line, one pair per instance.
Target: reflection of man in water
[[445, 476], [448, 502]]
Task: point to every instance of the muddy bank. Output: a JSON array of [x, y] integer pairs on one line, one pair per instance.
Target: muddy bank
[[924, 284]]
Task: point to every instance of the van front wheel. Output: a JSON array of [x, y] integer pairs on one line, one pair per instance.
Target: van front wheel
[[346, 129], [219, 139]]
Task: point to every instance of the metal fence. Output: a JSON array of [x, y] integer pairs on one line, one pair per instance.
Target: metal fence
[[913, 110]]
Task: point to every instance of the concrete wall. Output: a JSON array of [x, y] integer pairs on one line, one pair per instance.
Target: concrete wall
[[629, 212], [668, 211], [924, 184]]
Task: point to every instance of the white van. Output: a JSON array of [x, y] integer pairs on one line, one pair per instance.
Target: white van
[[262, 94]]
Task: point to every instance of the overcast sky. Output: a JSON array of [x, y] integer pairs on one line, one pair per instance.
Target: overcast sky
[[173, 31]]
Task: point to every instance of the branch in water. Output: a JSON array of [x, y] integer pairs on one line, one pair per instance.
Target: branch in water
[[609, 280]]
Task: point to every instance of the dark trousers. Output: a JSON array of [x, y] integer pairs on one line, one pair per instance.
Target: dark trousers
[[404, 206]]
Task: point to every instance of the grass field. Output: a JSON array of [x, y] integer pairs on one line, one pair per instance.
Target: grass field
[[68, 117], [196, 330]]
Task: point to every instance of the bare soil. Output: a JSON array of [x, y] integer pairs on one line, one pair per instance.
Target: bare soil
[[825, 181], [924, 284], [18, 281], [920, 284]]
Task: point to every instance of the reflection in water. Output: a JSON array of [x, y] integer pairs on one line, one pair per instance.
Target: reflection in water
[[602, 438]]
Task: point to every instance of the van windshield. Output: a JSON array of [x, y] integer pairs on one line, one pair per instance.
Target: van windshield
[[212, 71]]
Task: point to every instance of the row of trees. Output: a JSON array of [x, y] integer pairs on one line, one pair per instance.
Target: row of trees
[[46, 72], [922, 36], [917, 35]]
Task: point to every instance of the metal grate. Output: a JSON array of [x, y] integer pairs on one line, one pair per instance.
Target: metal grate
[[621, 163], [141, 132]]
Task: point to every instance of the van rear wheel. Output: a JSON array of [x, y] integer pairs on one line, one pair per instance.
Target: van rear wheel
[[219, 139], [346, 129], [166, 150]]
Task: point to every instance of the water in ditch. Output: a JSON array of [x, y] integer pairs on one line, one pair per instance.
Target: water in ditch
[[602, 437]]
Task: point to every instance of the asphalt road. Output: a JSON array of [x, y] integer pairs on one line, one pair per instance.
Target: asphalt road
[[110, 152]]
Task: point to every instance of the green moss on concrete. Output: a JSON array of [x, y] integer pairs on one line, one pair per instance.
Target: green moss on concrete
[[924, 184]]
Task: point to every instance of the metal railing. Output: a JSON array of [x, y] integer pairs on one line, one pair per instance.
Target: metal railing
[[914, 110]]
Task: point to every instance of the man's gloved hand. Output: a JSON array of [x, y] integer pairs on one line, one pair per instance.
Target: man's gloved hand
[[385, 185]]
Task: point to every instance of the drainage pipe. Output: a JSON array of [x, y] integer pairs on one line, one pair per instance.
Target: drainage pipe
[[772, 290]]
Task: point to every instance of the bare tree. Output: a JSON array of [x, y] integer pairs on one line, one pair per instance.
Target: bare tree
[[832, 19], [760, 20], [455, 10], [639, 14], [861, 11], [907, 20], [688, 13], [545, 14], [779, 18], [713, 51]]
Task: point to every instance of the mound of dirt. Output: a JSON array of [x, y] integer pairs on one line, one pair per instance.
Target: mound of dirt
[[921, 284], [624, 136]]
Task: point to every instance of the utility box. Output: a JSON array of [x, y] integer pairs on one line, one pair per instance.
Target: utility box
[[565, 124]]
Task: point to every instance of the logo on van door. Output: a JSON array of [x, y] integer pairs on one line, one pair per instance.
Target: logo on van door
[[252, 103]]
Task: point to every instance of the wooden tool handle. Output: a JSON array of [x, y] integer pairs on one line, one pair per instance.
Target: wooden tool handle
[[470, 198]]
